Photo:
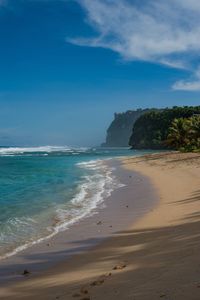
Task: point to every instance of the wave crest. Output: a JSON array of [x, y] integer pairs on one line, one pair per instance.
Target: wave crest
[[11, 151]]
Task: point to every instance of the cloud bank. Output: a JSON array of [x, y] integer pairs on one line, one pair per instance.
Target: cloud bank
[[163, 32]]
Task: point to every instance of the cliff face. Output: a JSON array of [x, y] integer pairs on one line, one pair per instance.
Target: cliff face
[[145, 128], [120, 130]]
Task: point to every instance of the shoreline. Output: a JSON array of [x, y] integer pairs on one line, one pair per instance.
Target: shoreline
[[153, 258], [60, 224], [85, 233]]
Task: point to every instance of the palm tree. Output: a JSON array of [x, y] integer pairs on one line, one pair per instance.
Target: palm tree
[[178, 133], [194, 131], [184, 134]]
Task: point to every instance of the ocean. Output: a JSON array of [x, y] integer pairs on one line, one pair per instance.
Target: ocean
[[44, 190]]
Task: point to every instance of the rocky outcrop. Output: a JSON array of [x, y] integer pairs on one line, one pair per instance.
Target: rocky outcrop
[[120, 130]]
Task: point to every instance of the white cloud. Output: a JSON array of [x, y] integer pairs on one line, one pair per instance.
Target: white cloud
[[189, 85], [165, 32]]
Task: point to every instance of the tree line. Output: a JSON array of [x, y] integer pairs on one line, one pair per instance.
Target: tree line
[[170, 128]]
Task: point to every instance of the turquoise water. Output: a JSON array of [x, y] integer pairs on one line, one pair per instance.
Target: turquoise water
[[43, 190]]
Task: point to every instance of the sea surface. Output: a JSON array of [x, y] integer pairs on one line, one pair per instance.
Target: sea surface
[[44, 190]]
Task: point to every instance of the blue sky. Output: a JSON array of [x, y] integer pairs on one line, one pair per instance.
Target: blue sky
[[67, 66]]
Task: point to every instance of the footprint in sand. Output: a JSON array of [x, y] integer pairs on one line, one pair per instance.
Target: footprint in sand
[[85, 290], [100, 280], [97, 282], [120, 266]]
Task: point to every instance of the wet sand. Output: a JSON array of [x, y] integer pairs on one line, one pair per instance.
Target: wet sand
[[111, 216], [157, 256]]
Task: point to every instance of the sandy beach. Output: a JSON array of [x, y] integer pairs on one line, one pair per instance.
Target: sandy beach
[[153, 258]]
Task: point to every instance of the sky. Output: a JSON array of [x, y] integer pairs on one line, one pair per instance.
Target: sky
[[66, 66]]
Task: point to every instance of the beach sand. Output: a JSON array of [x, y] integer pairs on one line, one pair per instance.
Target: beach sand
[[156, 257]]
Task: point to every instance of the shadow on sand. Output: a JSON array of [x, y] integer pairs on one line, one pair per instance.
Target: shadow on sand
[[160, 263]]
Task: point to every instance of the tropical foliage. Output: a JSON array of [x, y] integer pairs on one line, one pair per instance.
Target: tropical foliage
[[151, 130], [184, 134]]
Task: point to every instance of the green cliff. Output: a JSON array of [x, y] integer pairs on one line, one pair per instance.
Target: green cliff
[[120, 129], [150, 131]]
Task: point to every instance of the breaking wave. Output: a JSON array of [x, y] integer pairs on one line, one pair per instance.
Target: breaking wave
[[93, 189], [11, 151]]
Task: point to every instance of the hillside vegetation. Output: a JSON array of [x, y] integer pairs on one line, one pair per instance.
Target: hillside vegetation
[[184, 134], [170, 128]]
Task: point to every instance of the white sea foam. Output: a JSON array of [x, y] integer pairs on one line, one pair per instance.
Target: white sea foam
[[92, 193], [7, 151], [94, 189]]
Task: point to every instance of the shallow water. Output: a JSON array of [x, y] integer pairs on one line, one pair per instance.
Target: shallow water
[[43, 190]]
